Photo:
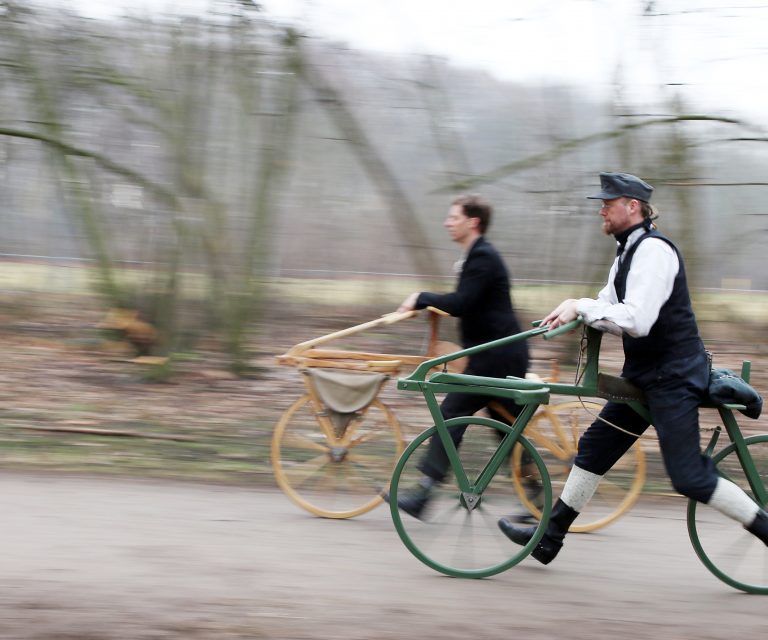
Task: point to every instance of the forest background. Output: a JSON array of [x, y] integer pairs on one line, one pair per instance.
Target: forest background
[[245, 185]]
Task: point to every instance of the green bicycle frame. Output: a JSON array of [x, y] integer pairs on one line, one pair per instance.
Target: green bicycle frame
[[532, 393]]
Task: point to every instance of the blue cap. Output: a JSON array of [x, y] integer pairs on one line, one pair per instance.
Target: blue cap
[[618, 185]]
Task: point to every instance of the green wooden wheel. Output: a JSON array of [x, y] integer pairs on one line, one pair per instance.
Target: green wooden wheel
[[458, 534]]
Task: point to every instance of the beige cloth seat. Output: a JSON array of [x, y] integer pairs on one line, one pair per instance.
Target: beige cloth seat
[[344, 393]]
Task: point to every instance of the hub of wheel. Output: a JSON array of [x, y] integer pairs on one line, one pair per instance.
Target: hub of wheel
[[470, 500], [338, 454]]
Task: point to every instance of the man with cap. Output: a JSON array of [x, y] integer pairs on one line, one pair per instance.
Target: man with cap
[[646, 299]]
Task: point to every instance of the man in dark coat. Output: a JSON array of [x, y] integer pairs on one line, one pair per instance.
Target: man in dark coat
[[482, 302]]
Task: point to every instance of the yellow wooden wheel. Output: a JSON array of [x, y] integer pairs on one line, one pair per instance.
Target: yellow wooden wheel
[[555, 431], [335, 468]]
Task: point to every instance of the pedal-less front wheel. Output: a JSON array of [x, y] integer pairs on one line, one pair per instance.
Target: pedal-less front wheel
[[732, 554], [457, 533], [338, 475]]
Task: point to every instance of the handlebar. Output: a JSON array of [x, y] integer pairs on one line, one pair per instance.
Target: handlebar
[[420, 373], [553, 333], [570, 326]]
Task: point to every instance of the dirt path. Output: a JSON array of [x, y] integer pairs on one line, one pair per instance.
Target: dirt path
[[94, 558]]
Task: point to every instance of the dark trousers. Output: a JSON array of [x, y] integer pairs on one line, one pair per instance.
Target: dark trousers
[[435, 463], [674, 391]]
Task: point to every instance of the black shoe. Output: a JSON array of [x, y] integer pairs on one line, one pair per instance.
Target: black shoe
[[412, 501], [552, 541], [521, 517], [759, 526], [518, 535], [544, 552]]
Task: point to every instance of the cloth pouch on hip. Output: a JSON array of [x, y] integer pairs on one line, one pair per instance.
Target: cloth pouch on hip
[[725, 387]]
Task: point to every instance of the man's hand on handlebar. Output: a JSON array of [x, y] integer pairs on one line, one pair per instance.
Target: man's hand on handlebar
[[409, 303], [563, 314]]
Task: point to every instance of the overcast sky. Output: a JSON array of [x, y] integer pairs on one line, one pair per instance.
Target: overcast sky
[[715, 53]]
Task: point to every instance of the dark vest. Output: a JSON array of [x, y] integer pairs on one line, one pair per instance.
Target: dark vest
[[674, 334]]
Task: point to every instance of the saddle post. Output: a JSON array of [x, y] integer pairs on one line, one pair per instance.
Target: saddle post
[[592, 368]]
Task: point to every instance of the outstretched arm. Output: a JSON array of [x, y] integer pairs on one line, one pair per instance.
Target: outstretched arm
[[472, 285]]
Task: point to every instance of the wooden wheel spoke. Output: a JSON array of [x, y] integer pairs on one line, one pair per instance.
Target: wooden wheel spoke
[[608, 487], [558, 470], [300, 441], [627, 464], [371, 459], [576, 429], [369, 436], [305, 470]]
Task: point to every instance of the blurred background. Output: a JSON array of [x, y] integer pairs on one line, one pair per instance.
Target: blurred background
[[209, 183]]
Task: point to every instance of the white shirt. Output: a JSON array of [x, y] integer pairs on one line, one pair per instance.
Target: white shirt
[[649, 285]]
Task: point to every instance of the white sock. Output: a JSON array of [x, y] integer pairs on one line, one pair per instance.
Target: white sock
[[579, 488], [731, 501]]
